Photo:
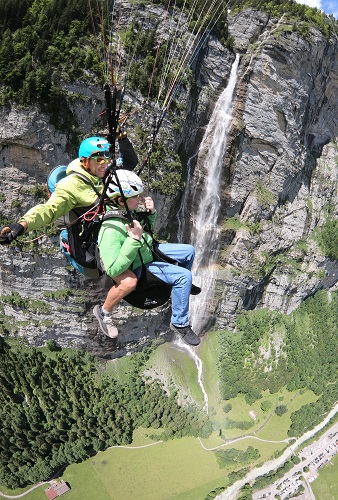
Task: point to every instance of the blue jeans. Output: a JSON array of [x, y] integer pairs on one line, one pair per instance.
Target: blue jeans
[[179, 277]]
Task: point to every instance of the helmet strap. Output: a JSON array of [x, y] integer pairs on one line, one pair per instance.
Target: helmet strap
[[123, 197]]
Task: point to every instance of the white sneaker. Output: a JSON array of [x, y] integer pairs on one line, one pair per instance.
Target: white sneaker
[[106, 322]]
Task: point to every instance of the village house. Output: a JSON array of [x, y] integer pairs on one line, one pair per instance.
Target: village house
[[56, 489]]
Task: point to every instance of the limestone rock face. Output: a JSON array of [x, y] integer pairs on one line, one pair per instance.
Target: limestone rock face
[[284, 170], [279, 178]]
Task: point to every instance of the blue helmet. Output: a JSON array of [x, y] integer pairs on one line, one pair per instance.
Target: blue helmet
[[93, 145]]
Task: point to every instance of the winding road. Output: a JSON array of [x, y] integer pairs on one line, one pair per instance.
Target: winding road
[[230, 493]]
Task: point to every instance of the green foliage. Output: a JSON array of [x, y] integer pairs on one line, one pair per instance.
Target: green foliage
[[195, 8], [39, 192], [263, 195], [266, 405], [327, 238], [272, 476], [15, 300], [4, 220], [244, 425], [44, 42], [280, 410], [52, 345], [59, 294], [238, 474], [144, 47], [165, 170], [227, 408], [232, 456], [306, 357], [303, 29], [60, 409], [214, 493], [233, 223], [302, 15]]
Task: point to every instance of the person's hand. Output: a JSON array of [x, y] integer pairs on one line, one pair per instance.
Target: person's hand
[[120, 133], [149, 204], [10, 232], [135, 231]]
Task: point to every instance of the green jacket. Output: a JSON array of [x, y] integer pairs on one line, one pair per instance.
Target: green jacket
[[119, 251], [70, 192]]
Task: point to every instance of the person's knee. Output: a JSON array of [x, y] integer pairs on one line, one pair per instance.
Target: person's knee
[[184, 278], [191, 250], [129, 283]]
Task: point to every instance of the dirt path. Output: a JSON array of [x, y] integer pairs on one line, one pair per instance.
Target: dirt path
[[2, 495], [287, 440], [25, 493]]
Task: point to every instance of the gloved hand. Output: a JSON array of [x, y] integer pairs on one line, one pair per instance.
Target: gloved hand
[[10, 232], [120, 133]]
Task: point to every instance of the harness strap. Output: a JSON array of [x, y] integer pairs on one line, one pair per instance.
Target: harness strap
[[119, 214], [85, 179]]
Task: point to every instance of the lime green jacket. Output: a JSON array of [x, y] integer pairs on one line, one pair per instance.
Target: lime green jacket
[[70, 192], [119, 251]]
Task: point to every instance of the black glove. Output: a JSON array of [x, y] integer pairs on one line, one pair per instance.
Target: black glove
[[6, 238]]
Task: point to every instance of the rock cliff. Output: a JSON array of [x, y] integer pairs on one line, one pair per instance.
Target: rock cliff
[[279, 177], [282, 167]]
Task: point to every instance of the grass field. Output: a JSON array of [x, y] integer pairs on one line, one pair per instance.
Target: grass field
[[180, 469], [325, 487]]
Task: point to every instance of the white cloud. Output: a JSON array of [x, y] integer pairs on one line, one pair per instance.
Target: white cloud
[[327, 6], [311, 3]]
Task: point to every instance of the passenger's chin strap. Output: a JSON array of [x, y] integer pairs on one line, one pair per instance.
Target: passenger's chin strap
[[112, 176]]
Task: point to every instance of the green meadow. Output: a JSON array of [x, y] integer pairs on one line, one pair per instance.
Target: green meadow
[[325, 487], [180, 469]]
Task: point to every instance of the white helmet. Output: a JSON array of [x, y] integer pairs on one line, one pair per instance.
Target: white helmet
[[131, 184]]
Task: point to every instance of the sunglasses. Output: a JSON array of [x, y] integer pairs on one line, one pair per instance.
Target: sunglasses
[[100, 157]]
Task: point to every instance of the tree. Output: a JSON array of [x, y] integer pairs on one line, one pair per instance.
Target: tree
[[280, 410], [266, 405], [52, 345], [227, 408]]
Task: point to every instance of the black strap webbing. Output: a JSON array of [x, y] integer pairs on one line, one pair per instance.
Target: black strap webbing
[[85, 179]]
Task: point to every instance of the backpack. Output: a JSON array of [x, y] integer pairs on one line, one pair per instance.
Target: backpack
[[81, 245], [81, 238]]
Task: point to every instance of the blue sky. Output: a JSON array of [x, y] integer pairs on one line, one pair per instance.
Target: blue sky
[[328, 6]]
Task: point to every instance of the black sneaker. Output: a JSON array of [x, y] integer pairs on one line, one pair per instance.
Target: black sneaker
[[195, 290], [187, 334]]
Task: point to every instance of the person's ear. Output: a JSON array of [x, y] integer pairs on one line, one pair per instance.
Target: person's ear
[[85, 164], [120, 201]]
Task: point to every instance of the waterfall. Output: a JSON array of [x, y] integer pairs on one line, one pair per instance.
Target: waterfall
[[205, 231], [179, 342]]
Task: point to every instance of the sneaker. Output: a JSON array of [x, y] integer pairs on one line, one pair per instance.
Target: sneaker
[[187, 334], [195, 290], [106, 322]]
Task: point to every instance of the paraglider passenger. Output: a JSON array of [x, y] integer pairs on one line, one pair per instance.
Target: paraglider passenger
[[122, 245]]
